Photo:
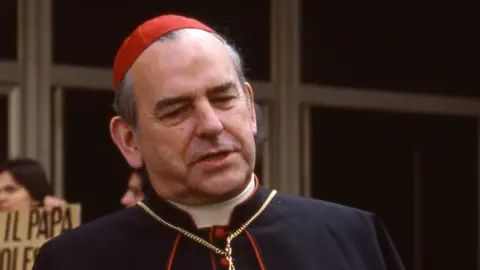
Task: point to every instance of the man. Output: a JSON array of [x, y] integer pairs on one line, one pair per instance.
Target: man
[[135, 189], [186, 115]]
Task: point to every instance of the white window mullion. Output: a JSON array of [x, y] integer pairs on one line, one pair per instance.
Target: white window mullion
[[285, 73]]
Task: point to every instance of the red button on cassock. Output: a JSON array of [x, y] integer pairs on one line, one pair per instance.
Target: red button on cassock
[[220, 233], [224, 262]]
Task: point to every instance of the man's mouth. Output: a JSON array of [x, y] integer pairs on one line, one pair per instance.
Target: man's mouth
[[214, 156]]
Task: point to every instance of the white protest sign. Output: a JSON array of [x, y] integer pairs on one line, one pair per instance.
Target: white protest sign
[[22, 233]]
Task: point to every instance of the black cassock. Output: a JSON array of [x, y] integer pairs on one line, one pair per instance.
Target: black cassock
[[292, 233]]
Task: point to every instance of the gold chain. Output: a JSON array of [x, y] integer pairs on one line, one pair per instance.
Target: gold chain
[[227, 252]]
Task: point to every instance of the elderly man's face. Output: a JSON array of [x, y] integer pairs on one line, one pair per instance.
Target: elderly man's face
[[196, 121]]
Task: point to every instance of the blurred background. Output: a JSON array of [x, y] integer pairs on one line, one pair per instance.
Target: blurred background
[[372, 104]]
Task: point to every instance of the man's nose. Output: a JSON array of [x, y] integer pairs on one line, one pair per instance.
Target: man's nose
[[209, 124]]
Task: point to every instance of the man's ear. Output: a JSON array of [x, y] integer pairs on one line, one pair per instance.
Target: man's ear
[[251, 104], [126, 141]]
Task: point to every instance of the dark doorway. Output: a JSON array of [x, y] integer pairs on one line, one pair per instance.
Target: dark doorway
[[370, 160], [95, 172], [3, 128]]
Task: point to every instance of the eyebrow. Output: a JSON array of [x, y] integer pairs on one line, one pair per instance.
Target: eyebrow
[[167, 102]]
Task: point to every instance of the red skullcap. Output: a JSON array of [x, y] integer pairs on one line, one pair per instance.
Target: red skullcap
[[144, 36]]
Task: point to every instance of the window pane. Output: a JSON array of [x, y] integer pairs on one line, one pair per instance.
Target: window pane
[[449, 171], [8, 30], [90, 34], [370, 160], [358, 160], [95, 172], [3, 128], [412, 47]]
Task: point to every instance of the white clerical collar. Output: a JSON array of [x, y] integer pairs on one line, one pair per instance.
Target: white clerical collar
[[217, 214]]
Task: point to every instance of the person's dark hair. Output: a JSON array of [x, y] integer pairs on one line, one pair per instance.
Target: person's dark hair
[[30, 174]]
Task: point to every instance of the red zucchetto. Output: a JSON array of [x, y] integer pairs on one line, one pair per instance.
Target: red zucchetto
[[144, 36]]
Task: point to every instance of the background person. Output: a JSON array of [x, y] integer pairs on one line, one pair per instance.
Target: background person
[[23, 184], [135, 189]]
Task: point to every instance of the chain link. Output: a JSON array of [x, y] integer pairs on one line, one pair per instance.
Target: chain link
[[227, 252]]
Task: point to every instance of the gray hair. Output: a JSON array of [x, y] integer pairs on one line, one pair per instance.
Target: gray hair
[[124, 103]]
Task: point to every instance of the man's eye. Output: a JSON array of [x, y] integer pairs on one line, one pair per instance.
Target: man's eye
[[175, 113], [222, 99]]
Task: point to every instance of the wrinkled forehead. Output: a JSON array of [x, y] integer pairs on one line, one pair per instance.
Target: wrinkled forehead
[[192, 59]]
